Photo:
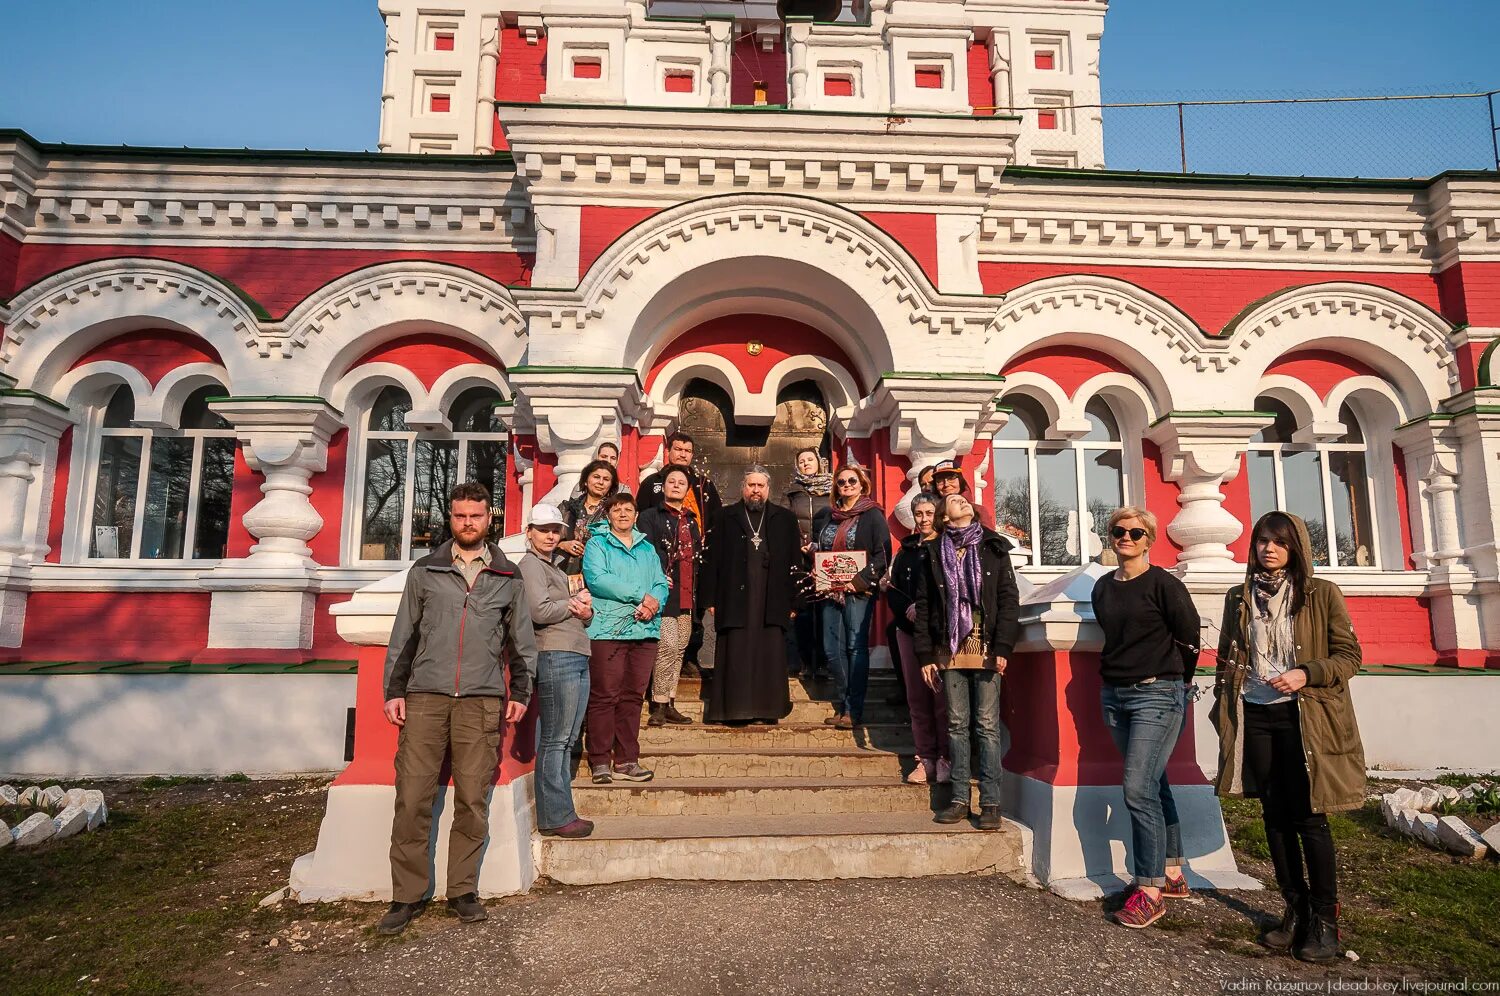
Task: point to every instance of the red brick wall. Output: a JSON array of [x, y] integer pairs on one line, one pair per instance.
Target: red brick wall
[[10, 258], [60, 497], [107, 626], [1402, 510], [277, 278], [155, 353], [1472, 291], [328, 498], [751, 64], [1069, 366], [326, 642], [599, 226], [727, 336], [1321, 369], [1393, 629], [520, 76], [917, 234], [1210, 296], [981, 90], [1161, 500], [428, 355]]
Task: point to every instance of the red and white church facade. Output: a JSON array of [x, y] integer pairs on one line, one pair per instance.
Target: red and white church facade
[[236, 384]]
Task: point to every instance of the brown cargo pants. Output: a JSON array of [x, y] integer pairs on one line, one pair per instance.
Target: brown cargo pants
[[469, 727]]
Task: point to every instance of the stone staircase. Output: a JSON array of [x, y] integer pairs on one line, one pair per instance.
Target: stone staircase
[[800, 800]]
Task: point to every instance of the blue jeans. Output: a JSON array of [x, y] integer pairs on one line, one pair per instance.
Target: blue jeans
[[974, 696], [562, 692], [1145, 721], [846, 641]]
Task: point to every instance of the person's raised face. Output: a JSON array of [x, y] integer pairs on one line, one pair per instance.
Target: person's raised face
[[675, 487], [622, 517], [924, 515], [948, 484], [598, 483], [544, 539], [755, 489], [847, 486], [680, 453], [1129, 538], [807, 462], [958, 510], [608, 454], [1270, 552], [468, 521]]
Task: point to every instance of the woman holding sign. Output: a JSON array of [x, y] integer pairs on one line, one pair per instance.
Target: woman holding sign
[[854, 534]]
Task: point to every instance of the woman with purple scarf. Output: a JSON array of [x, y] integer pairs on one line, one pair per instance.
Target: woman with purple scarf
[[966, 623]]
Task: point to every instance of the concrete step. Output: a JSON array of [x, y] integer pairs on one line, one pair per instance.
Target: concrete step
[[691, 689], [803, 711], [773, 762], [763, 848], [880, 736], [667, 796]]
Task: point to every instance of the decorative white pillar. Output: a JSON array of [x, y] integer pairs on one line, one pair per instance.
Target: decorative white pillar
[[1476, 426], [30, 427], [720, 32], [572, 410], [1201, 452], [387, 82], [489, 60], [999, 58], [266, 600], [798, 30]]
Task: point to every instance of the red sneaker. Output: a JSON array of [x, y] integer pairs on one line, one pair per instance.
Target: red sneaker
[[1140, 911], [1176, 888]]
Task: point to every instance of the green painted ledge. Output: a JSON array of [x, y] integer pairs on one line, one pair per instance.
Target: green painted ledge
[[1404, 671], [46, 668]]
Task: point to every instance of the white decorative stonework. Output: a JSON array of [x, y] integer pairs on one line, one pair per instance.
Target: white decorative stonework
[[570, 419], [30, 426]]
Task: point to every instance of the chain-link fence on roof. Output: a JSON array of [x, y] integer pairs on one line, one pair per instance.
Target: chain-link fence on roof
[[1397, 135]]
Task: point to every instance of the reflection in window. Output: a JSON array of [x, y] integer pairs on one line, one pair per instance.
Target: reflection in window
[[163, 494], [1324, 483], [407, 476], [1056, 497]]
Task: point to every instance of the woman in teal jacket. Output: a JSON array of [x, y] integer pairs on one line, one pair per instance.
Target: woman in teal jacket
[[622, 571]]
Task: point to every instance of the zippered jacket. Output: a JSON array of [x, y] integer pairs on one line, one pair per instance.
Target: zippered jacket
[[619, 577], [450, 639]]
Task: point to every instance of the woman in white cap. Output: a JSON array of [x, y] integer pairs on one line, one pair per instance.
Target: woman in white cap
[[562, 679]]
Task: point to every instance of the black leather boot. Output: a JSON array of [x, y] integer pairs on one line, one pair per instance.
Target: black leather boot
[[1322, 944], [656, 718], [1292, 931], [670, 714]]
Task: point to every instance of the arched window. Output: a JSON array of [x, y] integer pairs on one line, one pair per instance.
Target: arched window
[[408, 475], [162, 494], [1323, 483], [1058, 495]]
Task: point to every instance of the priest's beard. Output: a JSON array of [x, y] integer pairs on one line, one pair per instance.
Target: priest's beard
[[754, 504]]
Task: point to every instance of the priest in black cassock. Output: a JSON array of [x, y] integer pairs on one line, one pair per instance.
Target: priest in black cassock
[[752, 580]]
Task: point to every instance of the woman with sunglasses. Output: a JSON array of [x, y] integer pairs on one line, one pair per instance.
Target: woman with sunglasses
[[1151, 635], [852, 522], [1281, 698]]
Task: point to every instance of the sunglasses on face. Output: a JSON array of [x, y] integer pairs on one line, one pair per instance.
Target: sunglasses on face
[[849, 480], [1119, 532]]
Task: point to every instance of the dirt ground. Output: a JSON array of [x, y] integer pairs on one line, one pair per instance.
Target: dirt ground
[[164, 899]]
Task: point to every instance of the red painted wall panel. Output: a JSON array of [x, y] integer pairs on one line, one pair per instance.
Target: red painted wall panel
[[751, 64], [1399, 460], [1069, 366], [328, 499], [1320, 369], [1161, 501], [1476, 287], [278, 278], [1210, 296], [727, 337], [1450, 286], [599, 226], [981, 90], [106, 626], [326, 642], [1393, 629], [428, 355], [917, 233], [10, 258], [155, 353], [1237, 504], [520, 76], [244, 495], [57, 522]]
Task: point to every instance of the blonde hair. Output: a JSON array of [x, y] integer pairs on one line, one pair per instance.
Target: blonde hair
[[1147, 519]]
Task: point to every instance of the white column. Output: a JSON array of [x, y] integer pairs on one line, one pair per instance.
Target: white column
[[798, 30], [719, 41], [1201, 452], [489, 59], [388, 84], [30, 426], [572, 410], [266, 600]]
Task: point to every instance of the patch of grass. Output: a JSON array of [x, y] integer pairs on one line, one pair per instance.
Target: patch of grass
[[1464, 781], [1402, 903]]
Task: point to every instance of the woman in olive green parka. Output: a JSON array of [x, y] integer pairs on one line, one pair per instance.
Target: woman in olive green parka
[[1287, 733]]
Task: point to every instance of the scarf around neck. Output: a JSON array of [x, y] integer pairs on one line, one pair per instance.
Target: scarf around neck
[[1272, 592], [818, 485], [964, 579], [846, 518]]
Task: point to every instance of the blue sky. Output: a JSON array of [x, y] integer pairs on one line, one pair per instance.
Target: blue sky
[[283, 74]]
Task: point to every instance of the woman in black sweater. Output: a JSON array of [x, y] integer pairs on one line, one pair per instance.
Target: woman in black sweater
[[1151, 635]]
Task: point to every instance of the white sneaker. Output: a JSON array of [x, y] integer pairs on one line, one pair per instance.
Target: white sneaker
[[944, 771], [918, 774]]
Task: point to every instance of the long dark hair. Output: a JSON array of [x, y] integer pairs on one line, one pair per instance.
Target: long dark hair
[[588, 471], [1279, 526]]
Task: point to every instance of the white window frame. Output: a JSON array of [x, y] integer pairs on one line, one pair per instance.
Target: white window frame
[[1278, 453]]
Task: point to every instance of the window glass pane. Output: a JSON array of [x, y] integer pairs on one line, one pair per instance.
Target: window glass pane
[[215, 488], [164, 525], [1351, 509], [196, 413], [1013, 493], [1102, 424], [486, 464], [385, 487], [474, 410], [388, 414], [1057, 506], [1279, 431], [1352, 432], [121, 410], [1104, 489], [1027, 419], [1302, 473], [1260, 467], [114, 496], [436, 476]]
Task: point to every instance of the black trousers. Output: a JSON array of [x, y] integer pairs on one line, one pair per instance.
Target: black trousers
[[1300, 841]]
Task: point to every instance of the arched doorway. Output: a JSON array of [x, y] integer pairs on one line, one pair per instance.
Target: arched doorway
[[725, 450]]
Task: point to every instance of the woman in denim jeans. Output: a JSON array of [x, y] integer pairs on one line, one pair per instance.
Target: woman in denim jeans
[[1151, 635], [562, 680]]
